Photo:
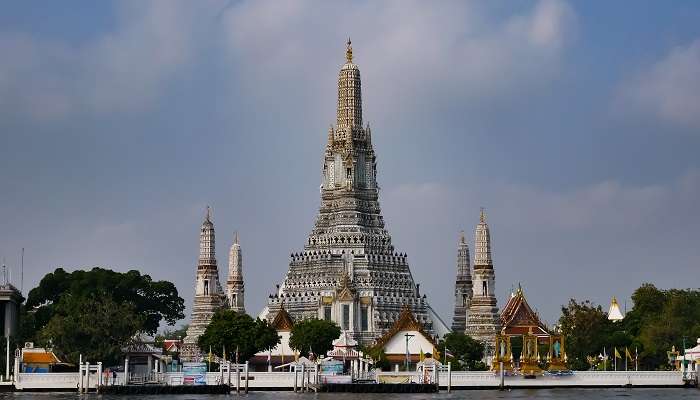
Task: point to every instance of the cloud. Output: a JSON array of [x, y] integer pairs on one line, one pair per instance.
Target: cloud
[[124, 70], [668, 89], [442, 51], [412, 53], [599, 240]]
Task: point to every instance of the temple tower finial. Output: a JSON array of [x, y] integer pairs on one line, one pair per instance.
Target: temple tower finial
[[207, 241], [348, 51], [349, 115]]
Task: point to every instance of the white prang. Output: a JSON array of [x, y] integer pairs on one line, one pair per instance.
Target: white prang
[[234, 284]]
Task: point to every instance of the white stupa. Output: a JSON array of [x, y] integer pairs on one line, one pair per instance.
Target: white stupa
[[614, 313]]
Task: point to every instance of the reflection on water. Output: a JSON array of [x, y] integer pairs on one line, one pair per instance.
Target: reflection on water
[[636, 393]]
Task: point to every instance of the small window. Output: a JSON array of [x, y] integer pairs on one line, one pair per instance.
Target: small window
[[484, 289], [206, 287], [327, 313]]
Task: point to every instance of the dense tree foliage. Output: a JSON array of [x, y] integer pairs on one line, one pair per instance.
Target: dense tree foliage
[[96, 327], [152, 301], [587, 330], [237, 332], [658, 320], [316, 335], [467, 353]]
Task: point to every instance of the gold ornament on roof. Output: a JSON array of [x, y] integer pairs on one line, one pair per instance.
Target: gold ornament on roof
[[348, 51]]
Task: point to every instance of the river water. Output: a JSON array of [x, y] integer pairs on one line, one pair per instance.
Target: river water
[[619, 394]]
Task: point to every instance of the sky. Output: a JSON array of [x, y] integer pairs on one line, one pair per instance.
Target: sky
[[576, 125]]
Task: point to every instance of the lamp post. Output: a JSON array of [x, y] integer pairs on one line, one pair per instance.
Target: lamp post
[[408, 337]]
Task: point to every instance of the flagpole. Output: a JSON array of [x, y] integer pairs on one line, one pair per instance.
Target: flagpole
[[605, 360], [636, 359]]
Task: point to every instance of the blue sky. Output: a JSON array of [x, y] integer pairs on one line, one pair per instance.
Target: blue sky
[[575, 124]]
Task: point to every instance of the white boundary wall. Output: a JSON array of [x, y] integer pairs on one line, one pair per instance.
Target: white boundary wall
[[460, 379], [54, 380], [579, 378]]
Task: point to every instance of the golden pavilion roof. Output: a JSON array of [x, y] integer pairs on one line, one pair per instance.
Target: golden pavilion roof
[[518, 318]]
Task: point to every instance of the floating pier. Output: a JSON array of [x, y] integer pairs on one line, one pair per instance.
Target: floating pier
[[379, 387]]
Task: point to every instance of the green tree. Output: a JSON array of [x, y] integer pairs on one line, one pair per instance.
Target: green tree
[[153, 301], [661, 319], [467, 353], [658, 320], [315, 334], [587, 330], [96, 327], [237, 332]]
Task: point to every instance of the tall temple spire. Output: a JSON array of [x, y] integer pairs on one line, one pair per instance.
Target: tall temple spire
[[234, 284], [463, 286], [349, 244], [208, 295], [483, 319]]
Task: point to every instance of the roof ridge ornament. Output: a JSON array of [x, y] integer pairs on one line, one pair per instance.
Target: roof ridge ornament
[[348, 51]]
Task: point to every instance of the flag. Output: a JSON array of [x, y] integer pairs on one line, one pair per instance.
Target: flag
[[617, 353], [209, 353], [447, 353], [628, 354], [224, 353], [421, 356]]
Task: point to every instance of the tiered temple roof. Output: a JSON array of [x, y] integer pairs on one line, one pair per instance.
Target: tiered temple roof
[[517, 318]]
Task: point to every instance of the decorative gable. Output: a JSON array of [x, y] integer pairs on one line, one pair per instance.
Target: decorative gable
[[518, 317], [406, 322], [282, 322]]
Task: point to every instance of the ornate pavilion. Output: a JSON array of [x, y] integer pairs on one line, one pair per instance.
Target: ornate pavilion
[[540, 347]]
